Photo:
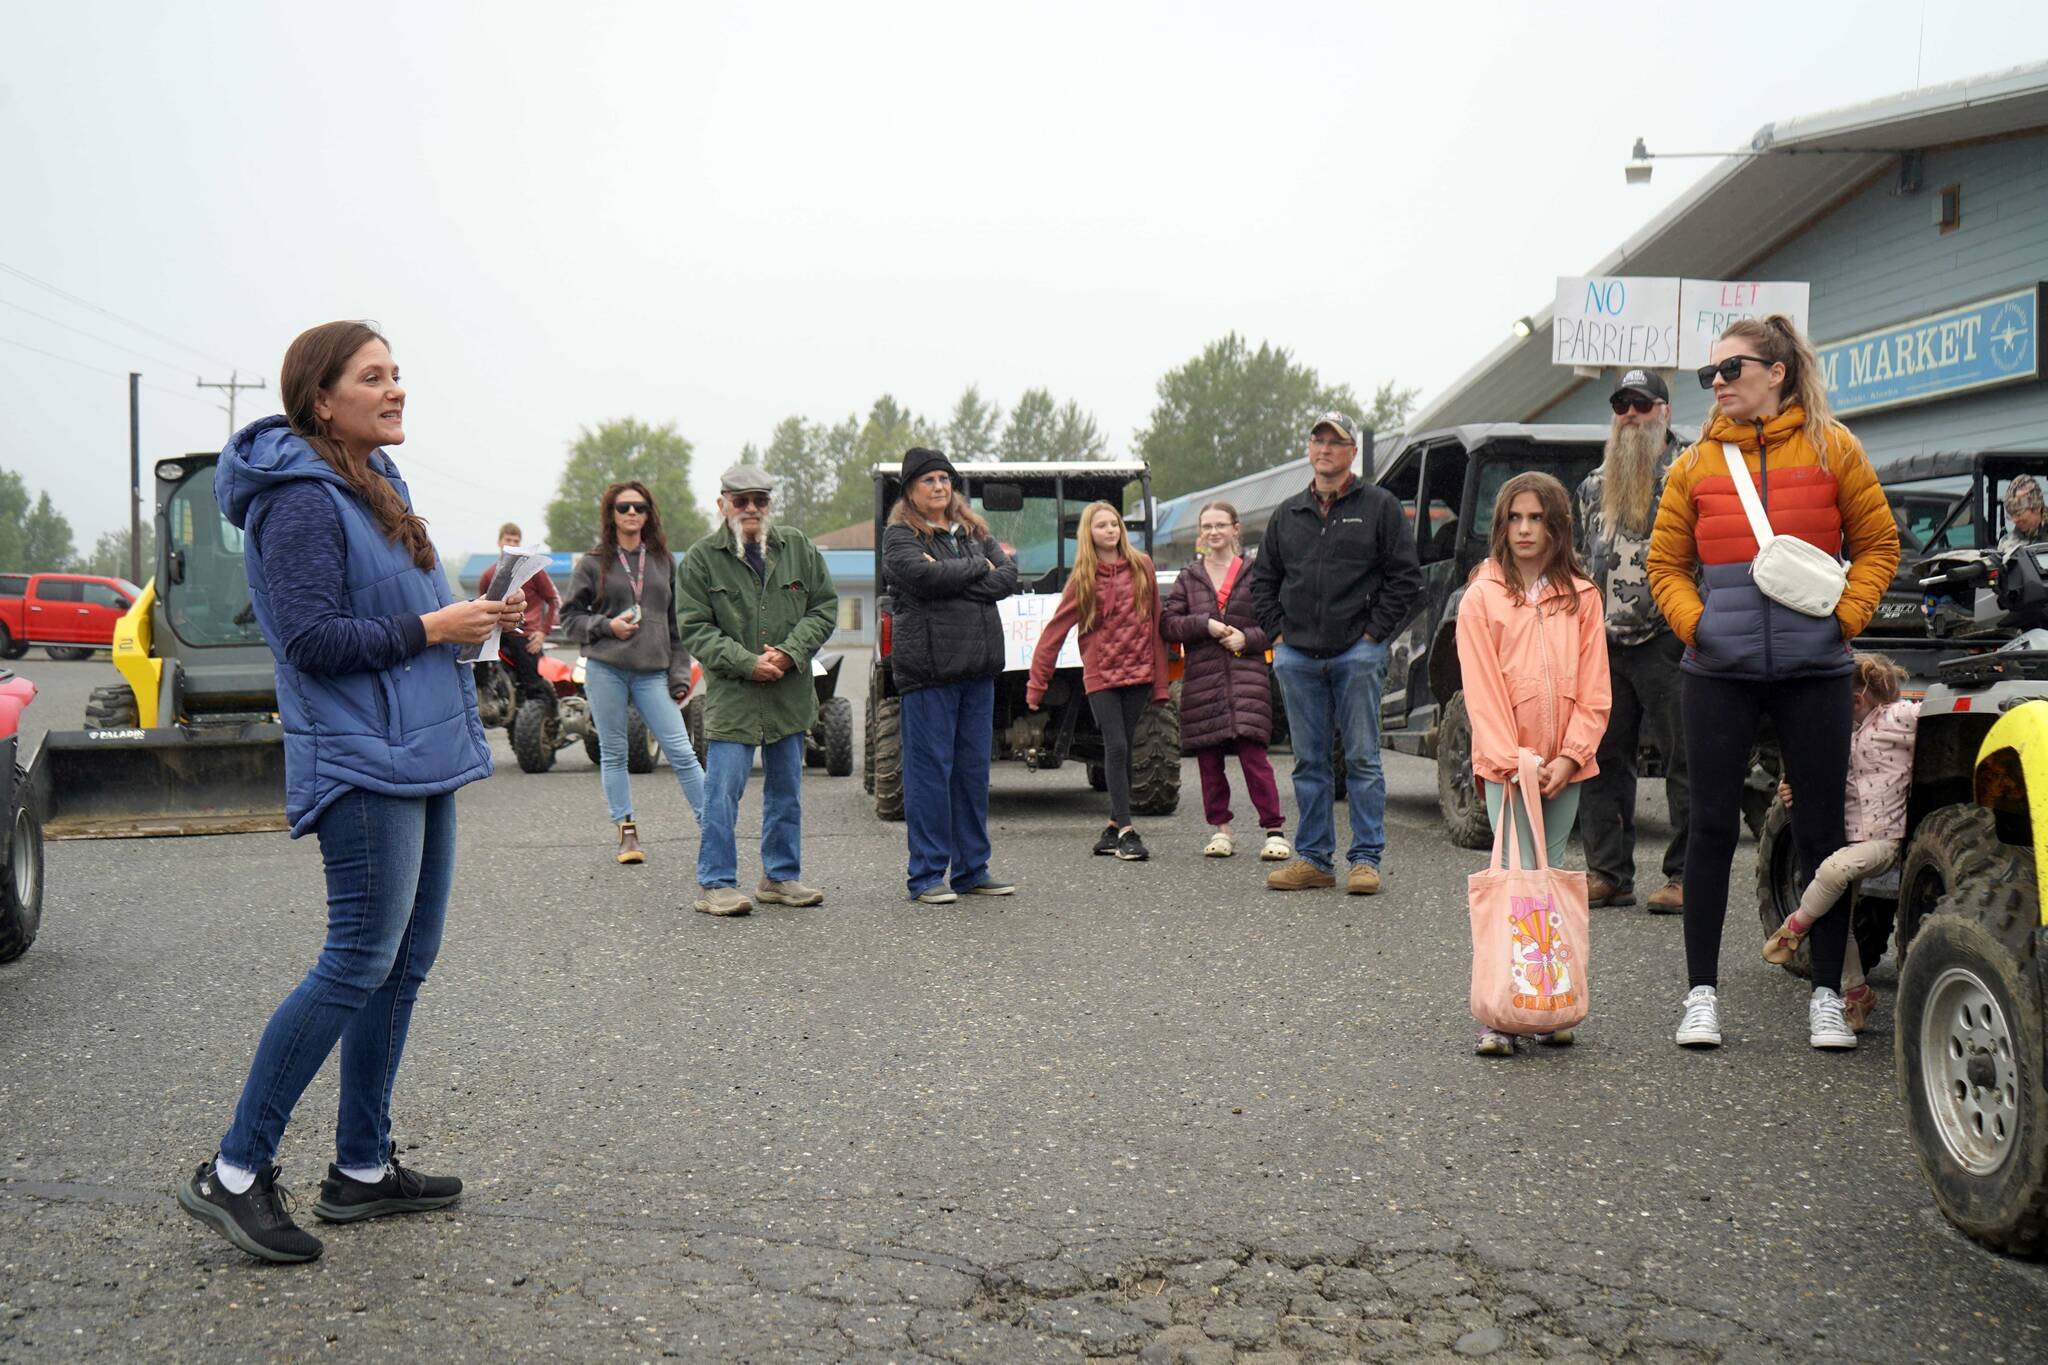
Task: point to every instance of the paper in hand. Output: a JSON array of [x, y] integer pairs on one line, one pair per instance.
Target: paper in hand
[[511, 571]]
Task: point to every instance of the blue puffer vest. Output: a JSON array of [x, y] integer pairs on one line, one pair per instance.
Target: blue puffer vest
[[409, 730]]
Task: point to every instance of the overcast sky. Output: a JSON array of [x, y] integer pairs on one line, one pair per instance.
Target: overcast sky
[[723, 215]]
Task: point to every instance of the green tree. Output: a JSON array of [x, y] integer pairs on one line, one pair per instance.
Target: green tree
[[803, 468], [855, 448], [971, 432], [109, 557], [1231, 411], [14, 506], [46, 538], [1039, 431], [1390, 410], [625, 448]]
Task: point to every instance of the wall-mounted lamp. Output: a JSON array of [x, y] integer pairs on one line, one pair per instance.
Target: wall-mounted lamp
[[1525, 327], [1637, 171]]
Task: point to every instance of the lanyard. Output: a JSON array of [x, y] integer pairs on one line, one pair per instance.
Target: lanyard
[[1229, 581], [636, 578]]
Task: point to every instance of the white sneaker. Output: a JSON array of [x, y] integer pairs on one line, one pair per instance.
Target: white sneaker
[[1276, 850], [1825, 1026], [1701, 1026]]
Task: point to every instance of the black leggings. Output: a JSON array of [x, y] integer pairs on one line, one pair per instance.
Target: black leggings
[[1811, 716], [1116, 714]]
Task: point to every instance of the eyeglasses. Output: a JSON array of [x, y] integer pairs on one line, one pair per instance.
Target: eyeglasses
[[632, 508], [1331, 442], [1638, 404], [747, 500], [1729, 369]]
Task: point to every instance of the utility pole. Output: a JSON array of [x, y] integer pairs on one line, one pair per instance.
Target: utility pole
[[233, 384], [134, 477]]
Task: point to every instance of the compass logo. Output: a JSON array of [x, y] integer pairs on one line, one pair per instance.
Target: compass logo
[[2011, 337]]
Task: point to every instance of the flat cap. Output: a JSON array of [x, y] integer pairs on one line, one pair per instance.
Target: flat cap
[[746, 478]]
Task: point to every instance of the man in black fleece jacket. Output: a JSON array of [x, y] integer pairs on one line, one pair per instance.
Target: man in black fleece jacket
[[1336, 574]]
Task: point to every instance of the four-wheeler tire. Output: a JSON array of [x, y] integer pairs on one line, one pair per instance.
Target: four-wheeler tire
[[1155, 760], [535, 728], [693, 724], [835, 720], [497, 696], [1464, 810], [112, 707], [867, 749], [1777, 895], [1098, 777], [69, 654], [885, 758], [1948, 845], [21, 881], [643, 755], [1970, 1048]]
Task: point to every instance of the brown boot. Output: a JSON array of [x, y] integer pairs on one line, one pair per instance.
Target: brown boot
[[1601, 893], [1363, 881], [629, 843], [1668, 899], [1299, 875]]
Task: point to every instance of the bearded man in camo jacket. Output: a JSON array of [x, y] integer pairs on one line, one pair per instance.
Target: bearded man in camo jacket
[[1616, 505]]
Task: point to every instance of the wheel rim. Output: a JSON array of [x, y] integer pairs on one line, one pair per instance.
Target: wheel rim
[[24, 859], [1968, 1072]]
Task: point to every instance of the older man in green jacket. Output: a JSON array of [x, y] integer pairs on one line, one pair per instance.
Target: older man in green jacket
[[754, 604]]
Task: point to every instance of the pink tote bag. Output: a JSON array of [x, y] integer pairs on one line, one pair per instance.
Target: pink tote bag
[[1529, 927]]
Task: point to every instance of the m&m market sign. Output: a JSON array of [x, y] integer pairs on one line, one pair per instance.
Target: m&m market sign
[[1977, 346]]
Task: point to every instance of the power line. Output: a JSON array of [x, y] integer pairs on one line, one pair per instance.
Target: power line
[[116, 374], [70, 297], [104, 341]]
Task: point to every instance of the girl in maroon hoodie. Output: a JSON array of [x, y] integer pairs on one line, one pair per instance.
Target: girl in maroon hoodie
[[1114, 599]]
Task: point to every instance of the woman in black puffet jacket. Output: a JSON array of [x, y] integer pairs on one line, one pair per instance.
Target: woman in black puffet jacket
[[945, 575]]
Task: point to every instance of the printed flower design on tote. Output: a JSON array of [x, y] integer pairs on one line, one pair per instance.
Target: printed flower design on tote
[[1540, 957]]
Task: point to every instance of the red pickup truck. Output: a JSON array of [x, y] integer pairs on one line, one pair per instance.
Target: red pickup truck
[[69, 614]]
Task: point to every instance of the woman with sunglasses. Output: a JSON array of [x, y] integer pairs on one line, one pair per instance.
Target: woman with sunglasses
[[621, 609], [1747, 656], [946, 574]]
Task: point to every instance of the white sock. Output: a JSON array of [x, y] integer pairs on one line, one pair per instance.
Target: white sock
[[364, 1175], [233, 1178]]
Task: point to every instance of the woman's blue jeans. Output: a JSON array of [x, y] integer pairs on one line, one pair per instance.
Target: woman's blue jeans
[[609, 689], [948, 731], [390, 861]]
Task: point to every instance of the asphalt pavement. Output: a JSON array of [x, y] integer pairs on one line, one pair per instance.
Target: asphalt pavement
[[1142, 1112]]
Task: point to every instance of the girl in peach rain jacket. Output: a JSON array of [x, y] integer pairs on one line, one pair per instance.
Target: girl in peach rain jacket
[[1532, 648]]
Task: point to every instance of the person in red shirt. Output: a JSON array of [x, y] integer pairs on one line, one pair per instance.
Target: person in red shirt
[[543, 610], [1114, 599]]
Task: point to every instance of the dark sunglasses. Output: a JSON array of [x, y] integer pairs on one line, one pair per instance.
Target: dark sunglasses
[[1621, 405], [624, 507], [1729, 369], [744, 500]]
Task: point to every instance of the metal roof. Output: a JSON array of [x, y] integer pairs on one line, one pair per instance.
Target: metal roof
[[1774, 198], [1941, 464], [1027, 469]]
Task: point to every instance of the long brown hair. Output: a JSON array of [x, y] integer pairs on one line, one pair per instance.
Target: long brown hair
[[960, 512], [1778, 341], [1561, 572], [651, 537], [1087, 563], [315, 361]]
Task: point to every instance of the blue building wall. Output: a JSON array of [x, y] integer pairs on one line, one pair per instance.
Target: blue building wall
[[1879, 259]]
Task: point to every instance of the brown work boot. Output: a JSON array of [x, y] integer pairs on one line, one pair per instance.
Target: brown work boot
[[1668, 899], [1299, 875], [629, 843], [722, 900], [787, 893], [1363, 881], [1601, 892]]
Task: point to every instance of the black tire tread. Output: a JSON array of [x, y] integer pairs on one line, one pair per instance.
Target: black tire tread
[[642, 755], [836, 720], [1952, 840], [1155, 760], [19, 922], [885, 759], [532, 743], [112, 707], [1873, 923], [1456, 799]]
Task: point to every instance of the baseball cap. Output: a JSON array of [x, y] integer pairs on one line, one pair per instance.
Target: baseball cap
[[1339, 420], [1644, 382], [746, 478]]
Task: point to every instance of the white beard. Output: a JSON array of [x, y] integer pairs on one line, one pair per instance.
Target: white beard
[[1628, 477], [739, 534]]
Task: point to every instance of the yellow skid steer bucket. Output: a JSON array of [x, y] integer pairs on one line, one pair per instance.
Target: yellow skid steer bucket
[[140, 783]]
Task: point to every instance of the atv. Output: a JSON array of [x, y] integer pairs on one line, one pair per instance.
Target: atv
[[21, 844], [1033, 511], [544, 726]]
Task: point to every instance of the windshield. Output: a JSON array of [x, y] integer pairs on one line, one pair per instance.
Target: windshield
[[1933, 514], [1030, 534], [207, 601], [1567, 470]]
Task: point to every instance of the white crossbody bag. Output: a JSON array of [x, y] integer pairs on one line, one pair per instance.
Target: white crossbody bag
[[1792, 572]]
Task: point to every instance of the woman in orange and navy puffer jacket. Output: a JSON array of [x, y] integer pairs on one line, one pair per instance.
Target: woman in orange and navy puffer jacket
[[1748, 657]]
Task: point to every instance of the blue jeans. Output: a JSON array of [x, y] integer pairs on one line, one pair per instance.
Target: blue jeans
[[390, 861], [948, 731], [782, 819], [609, 689], [1323, 696]]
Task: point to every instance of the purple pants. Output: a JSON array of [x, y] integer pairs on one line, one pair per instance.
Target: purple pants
[[1258, 783]]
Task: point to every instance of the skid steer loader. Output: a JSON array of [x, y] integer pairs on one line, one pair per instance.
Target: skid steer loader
[[188, 741]]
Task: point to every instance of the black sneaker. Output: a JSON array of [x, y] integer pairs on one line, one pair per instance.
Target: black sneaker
[[257, 1221], [1130, 848], [1105, 847], [343, 1200]]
